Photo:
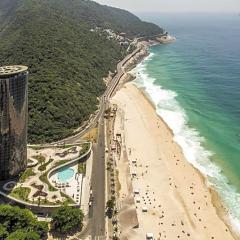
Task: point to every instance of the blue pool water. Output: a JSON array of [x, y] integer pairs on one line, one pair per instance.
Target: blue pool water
[[65, 174]]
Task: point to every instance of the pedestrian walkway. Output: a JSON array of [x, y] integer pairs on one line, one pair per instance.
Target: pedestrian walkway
[[97, 238], [100, 238]]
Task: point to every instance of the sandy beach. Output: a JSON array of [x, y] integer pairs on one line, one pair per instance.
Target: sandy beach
[[173, 200]]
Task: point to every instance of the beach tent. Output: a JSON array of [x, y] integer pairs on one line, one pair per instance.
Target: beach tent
[[113, 147], [138, 199], [144, 209], [134, 174], [149, 236], [136, 191]]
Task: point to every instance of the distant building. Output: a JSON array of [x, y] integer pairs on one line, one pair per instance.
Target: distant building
[[122, 34], [13, 120], [166, 38], [126, 43], [120, 38]]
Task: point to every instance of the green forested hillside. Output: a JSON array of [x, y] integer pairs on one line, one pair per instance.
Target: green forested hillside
[[66, 60]]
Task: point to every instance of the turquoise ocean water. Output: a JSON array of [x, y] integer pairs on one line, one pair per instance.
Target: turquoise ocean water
[[195, 86]]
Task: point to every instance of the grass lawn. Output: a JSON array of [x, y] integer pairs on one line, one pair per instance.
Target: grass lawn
[[26, 174], [44, 179], [21, 193]]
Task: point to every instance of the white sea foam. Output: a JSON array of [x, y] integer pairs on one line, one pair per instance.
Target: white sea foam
[[189, 139]]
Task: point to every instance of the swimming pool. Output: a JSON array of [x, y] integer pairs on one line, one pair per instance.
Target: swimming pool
[[65, 174]]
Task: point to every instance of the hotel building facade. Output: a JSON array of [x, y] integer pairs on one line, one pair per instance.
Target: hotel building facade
[[13, 120]]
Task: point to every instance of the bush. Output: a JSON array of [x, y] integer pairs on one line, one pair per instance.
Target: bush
[[41, 159], [44, 166], [85, 147], [82, 168]]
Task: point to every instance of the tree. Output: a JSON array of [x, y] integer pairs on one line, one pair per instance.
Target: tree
[[66, 60], [18, 222], [40, 227], [3, 232], [110, 206], [23, 235], [66, 219]]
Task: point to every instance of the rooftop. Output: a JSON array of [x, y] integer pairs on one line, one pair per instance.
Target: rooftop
[[12, 70]]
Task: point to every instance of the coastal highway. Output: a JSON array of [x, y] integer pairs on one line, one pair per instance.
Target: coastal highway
[[98, 184], [96, 218], [104, 99], [97, 213]]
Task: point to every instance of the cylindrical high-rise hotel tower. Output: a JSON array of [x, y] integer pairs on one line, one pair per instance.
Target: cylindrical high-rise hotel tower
[[13, 120]]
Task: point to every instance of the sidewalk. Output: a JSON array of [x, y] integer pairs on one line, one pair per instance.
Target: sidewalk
[[86, 186]]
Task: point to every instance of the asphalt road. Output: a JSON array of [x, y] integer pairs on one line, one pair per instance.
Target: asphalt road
[[98, 185]]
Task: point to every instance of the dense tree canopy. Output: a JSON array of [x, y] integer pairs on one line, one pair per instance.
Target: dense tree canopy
[[66, 219], [3, 232], [23, 235], [66, 60], [21, 224]]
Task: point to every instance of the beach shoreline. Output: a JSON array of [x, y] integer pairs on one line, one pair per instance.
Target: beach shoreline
[[215, 198], [218, 203]]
